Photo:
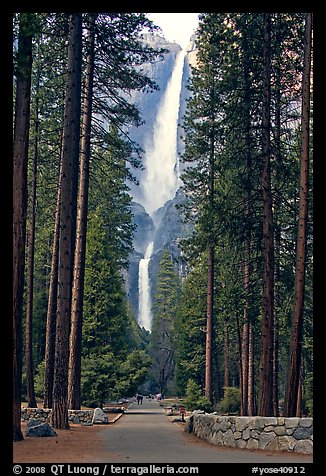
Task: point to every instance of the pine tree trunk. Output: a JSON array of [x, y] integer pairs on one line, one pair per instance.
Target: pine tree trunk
[[52, 302], [245, 336], [70, 154], [209, 326], [210, 277], [30, 278], [251, 373], [247, 325], [277, 233], [74, 396], [299, 285], [20, 159], [226, 356], [266, 362], [244, 369]]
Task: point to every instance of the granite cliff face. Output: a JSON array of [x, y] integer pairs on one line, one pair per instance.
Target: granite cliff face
[[165, 227]]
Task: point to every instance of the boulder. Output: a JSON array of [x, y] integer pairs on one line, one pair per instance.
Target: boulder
[[99, 417], [33, 422], [189, 424], [304, 446], [40, 430], [302, 432]]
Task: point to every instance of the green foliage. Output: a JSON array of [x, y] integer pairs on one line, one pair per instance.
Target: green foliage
[[105, 377], [225, 104], [223, 135], [133, 372], [111, 365], [231, 401], [308, 402], [190, 329], [165, 306], [98, 379], [195, 400], [39, 380], [119, 52]]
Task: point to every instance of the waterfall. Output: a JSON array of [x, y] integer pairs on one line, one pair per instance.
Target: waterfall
[[162, 175], [161, 158], [145, 314]]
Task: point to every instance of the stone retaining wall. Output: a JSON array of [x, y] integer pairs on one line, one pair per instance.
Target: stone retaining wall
[[268, 433], [82, 417]]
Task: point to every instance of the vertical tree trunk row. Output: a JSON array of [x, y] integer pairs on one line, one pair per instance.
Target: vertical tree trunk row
[[299, 285], [20, 159], [30, 278], [80, 251], [70, 155], [266, 363], [51, 317]]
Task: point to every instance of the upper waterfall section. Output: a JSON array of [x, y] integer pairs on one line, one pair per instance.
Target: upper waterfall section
[[161, 156], [170, 74]]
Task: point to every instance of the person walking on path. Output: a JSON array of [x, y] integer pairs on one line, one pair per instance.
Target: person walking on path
[[139, 398]]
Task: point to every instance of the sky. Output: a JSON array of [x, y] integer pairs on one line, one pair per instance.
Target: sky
[[176, 27]]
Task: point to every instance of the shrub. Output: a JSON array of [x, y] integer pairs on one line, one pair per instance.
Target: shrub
[[231, 401], [39, 380], [307, 400], [195, 400]]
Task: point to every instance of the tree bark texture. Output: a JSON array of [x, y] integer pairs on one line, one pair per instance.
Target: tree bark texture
[[30, 279], [51, 317], [210, 276], [70, 154], [266, 362], [209, 325], [299, 285], [20, 159], [74, 395], [251, 373], [246, 362], [226, 356]]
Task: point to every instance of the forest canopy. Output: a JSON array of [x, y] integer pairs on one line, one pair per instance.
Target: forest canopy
[[235, 331]]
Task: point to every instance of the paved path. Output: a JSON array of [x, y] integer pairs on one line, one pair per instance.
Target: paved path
[[146, 435]]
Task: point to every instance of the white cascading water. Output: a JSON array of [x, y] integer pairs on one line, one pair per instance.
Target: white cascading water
[[162, 175], [161, 158], [145, 314]]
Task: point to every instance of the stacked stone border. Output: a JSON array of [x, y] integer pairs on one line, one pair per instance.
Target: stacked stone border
[[265, 433], [81, 417]]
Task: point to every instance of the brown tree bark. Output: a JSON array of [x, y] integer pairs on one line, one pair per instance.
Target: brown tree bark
[[251, 373], [51, 316], [291, 407], [245, 333], [74, 395], [226, 358], [245, 371], [277, 234], [266, 361], [209, 325], [70, 155], [210, 258], [20, 159], [31, 400]]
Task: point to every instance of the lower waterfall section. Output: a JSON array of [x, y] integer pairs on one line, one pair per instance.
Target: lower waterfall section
[[145, 302]]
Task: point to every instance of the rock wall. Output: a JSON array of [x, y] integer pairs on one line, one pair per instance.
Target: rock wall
[[43, 415], [80, 417], [268, 433]]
